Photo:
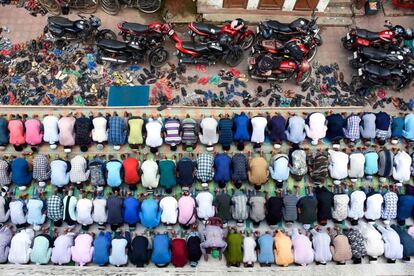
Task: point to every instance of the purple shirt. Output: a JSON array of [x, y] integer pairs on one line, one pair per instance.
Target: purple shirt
[[61, 252]]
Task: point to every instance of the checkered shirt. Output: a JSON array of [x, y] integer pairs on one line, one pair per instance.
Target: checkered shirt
[[4, 173], [55, 208], [117, 131], [389, 208], [205, 171], [79, 169], [352, 131], [41, 169]]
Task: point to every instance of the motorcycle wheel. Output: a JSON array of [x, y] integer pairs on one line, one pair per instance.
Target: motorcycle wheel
[[158, 58], [305, 76], [312, 53], [247, 41], [149, 6], [234, 57], [354, 64], [105, 34]]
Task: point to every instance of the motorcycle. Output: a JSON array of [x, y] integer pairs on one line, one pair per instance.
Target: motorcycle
[[61, 29], [298, 28], [125, 52], [373, 74], [387, 59], [190, 52], [135, 31], [267, 67], [393, 36], [237, 29]]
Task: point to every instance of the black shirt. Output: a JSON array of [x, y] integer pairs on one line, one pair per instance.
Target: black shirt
[[223, 202], [139, 254], [114, 205], [274, 210], [307, 206], [83, 127], [325, 203], [193, 248]]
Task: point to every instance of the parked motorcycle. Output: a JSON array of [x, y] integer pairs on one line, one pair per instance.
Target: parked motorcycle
[[135, 31], [300, 27], [373, 74], [387, 59], [125, 52], [393, 36], [85, 30], [190, 52], [237, 29], [267, 67]]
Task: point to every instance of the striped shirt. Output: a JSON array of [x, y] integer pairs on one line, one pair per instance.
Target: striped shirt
[[239, 208], [352, 130], [172, 131], [4, 173], [190, 131], [289, 207]]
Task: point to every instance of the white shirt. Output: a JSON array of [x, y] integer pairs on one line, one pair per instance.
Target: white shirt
[[209, 136], [338, 164], [249, 250], [20, 247], [356, 165], [50, 129], [393, 248], [205, 207], [154, 128], [356, 208], [118, 256], [316, 128], [84, 210], [169, 206], [373, 206], [99, 131], [17, 215], [340, 210], [372, 239], [35, 214], [402, 166], [150, 176], [99, 214], [79, 169], [259, 125], [321, 245]]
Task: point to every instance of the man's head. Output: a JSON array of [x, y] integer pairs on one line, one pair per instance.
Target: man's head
[[240, 146]]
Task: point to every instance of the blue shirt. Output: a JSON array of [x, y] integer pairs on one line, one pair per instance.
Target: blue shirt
[[101, 245], [280, 169], [277, 129], [405, 207], [131, 210], [4, 131], [113, 168], [225, 127], [371, 163], [295, 130], [382, 121], [241, 127], [185, 169], [336, 124], [266, 255], [21, 176], [408, 131], [116, 131], [222, 164], [60, 172], [161, 253], [397, 127], [150, 213]]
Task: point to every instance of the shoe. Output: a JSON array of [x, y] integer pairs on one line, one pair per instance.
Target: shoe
[[270, 102]]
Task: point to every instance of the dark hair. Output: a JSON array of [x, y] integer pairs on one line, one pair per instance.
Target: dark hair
[[84, 148], [257, 187], [153, 150], [222, 184], [256, 145], [382, 142], [240, 146], [173, 147], [279, 184], [168, 190], [226, 147], [238, 184]]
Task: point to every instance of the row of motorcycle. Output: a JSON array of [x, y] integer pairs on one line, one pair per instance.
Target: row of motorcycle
[[279, 51], [380, 58]]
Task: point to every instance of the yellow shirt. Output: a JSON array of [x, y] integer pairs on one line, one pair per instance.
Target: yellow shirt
[[258, 171], [283, 249], [135, 131]]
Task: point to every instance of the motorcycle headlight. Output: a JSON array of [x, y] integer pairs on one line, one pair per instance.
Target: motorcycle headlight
[[360, 73], [399, 57]]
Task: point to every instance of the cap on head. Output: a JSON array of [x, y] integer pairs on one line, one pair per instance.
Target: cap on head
[[99, 147], [209, 148], [277, 146], [117, 147], [67, 150], [53, 146], [42, 183], [394, 141]]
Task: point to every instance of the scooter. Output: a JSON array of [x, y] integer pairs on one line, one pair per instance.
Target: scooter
[[189, 52], [135, 31], [387, 59], [237, 29], [385, 39]]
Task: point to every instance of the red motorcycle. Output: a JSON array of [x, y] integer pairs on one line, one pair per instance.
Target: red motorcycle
[[236, 29], [384, 39], [267, 67], [133, 32]]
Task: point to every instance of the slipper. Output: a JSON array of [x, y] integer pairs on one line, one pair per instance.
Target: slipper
[[198, 65], [203, 68]]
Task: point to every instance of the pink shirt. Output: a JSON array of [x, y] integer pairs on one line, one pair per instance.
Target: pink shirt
[[16, 130], [82, 251], [186, 210], [34, 134], [66, 131], [302, 248]]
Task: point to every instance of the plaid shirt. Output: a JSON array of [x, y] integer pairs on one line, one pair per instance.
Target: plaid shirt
[[389, 208], [117, 131], [55, 208], [352, 131], [205, 171], [4, 173], [383, 134], [79, 169], [41, 169]]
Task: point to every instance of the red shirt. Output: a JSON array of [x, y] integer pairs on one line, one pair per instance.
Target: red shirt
[[131, 171], [179, 252]]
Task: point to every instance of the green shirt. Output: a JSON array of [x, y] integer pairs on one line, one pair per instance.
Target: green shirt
[[233, 251], [42, 249], [167, 173]]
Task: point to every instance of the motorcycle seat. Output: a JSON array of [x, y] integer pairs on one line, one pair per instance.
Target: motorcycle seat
[[367, 34], [196, 47], [136, 27], [377, 70], [281, 27], [207, 28], [112, 44], [60, 21], [374, 53]]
